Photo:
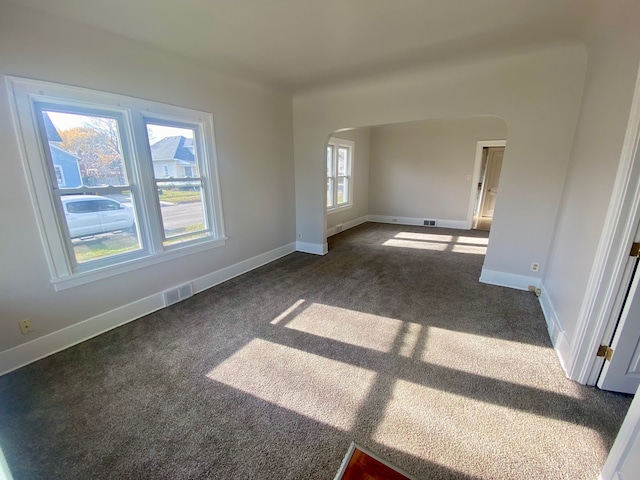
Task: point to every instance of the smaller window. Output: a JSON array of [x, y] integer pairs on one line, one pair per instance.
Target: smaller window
[[339, 174]]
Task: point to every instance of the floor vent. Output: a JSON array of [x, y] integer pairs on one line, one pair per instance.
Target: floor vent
[[177, 294], [429, 223]]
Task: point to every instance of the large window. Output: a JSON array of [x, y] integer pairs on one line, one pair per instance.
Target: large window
[[117, 182], [339, 176]]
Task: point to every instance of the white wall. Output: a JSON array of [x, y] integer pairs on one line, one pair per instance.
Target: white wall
[[254, 144], [614, 55], [425, 169], [360, 208], [538, 96]]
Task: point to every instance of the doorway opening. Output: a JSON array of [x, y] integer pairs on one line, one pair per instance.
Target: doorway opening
[[489, 157]]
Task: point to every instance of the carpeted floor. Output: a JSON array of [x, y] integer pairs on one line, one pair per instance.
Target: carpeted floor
[[389, 341]]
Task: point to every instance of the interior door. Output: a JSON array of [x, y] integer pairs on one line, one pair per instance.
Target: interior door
[[491, 181], [623, 462], [622, 372]]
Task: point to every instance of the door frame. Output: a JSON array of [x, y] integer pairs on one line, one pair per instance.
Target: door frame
[[601, 306], [476, 174]]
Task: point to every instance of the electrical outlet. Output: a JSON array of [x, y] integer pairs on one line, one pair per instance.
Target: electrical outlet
[[25, 326], [394, 219], [299, 235], [535, 266]]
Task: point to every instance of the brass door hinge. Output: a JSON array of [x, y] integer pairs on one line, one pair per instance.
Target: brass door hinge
[[606, 352], [635, 250]]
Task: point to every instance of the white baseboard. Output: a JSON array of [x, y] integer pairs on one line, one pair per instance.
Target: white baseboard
[[54, 342], [511, 280], [558, 337], [347, 225], [315, 248], [458, 224], [222, 275]]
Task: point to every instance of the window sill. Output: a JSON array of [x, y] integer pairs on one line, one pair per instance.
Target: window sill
[[339, 209], [77, 279]]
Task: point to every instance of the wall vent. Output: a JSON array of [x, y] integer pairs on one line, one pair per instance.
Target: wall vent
[[429, 223], [338, 228], [177, 294]]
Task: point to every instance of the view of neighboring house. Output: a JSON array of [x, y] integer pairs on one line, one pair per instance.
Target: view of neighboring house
[[174, 157], [66, 165]]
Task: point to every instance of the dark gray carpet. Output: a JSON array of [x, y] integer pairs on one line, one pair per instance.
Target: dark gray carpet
[[389, 340]]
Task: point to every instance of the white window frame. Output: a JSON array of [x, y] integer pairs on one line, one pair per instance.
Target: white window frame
[[133, 114], [350, 146]]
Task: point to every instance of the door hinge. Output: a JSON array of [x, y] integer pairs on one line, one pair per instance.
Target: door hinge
[[606, 352], [635, 250]]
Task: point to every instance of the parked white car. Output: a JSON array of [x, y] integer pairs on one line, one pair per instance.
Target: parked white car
[[92, 215]]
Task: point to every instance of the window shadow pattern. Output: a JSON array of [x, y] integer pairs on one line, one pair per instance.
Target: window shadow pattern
[[274, 373]]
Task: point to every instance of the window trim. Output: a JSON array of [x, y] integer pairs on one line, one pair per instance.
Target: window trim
[[25, 94], [350, 145]]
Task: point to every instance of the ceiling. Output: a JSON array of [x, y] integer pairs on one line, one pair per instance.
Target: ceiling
[[298, 44]]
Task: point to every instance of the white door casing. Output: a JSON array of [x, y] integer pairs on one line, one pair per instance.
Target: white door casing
[[599, 311]]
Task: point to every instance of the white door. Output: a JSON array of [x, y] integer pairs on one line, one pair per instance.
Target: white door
[[491, 181], [623, 462], [622, 372]]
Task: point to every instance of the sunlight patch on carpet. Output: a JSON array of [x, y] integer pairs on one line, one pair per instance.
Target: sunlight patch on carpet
[[410, 340], [440, 243], [430, 237], [472, 249], [496, 358], [477, 438], [425, 237], [287, 312], [325, 390], [416, 244], [5, 473], [355, 328]]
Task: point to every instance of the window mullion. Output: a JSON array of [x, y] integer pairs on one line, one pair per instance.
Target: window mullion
[[152, 227]]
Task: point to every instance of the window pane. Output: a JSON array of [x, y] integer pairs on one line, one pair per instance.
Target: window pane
[[173, 151], [85, 149], [182, 210], [329, 192], [330, 161], [343, 159], [101, 226], [343, 190]]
